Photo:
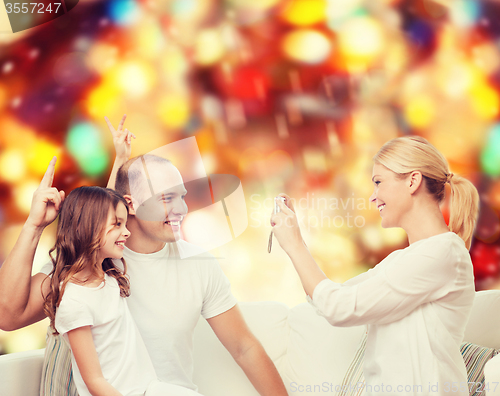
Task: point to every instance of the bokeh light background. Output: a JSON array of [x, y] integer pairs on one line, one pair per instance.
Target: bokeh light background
[[291, 96]]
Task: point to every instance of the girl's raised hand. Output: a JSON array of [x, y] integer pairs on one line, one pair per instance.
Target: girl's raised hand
[[122, 138], [47, 200]]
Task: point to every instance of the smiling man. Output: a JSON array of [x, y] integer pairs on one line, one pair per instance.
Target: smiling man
[[169, 292]]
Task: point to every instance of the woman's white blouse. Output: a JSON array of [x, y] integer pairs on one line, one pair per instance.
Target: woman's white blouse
[[416, 302]]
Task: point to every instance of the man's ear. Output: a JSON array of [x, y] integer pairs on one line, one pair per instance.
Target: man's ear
[[130, 202], [415, 180]]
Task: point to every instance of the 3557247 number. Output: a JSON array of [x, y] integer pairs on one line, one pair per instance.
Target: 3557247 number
[[32, 8]]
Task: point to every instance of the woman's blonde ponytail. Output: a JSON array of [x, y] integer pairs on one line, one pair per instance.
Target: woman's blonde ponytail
[[464, 207]]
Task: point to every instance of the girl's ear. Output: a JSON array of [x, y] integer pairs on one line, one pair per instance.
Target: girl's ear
[[130, 202]]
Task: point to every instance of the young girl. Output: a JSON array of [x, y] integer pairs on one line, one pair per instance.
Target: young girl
[[418, 299], [87, 305]]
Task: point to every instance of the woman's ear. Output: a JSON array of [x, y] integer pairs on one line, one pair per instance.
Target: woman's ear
[[415, 181], [130, 202]]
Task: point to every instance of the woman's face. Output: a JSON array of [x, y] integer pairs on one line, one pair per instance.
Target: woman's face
[[391, 196]]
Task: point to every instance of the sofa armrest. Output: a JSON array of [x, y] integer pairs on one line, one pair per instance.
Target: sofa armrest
[[20, 373], [492, 376]]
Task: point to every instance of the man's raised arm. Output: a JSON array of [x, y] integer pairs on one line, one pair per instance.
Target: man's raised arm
[[21, 300], [122, 141]]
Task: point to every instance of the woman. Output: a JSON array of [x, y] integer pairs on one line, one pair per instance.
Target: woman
[[417, 301]]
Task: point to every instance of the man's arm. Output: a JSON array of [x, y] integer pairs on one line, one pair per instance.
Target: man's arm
[[247, 351], [83, 349], [122, 139], [21, 301]]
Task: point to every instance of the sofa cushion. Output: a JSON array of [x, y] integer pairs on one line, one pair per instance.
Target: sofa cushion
[[215, 371], [475, 358], [316, 359], [20, 373], [481, 331], [57, 377]]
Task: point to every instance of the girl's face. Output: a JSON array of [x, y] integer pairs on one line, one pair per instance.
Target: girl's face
[[390, 196], [115, 233]]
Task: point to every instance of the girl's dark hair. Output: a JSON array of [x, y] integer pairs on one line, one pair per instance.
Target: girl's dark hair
[[80, 234]]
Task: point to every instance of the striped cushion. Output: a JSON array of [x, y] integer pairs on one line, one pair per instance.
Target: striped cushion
[[57, 377], [475, 358]]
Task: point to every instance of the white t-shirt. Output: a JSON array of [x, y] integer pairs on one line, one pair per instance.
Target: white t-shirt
[[167, 296], [417, 303], [124, 360]]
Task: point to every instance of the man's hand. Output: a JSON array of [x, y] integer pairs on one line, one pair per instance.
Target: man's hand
[[121, 139], [46, 201]]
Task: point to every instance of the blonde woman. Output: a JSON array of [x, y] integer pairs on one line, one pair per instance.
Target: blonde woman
[[416, 302]]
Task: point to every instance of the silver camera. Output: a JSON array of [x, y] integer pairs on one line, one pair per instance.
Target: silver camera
[[277, 209]]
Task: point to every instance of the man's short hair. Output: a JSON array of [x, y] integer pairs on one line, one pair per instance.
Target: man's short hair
[[128, 176]]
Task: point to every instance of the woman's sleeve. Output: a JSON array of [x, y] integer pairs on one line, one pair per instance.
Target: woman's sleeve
[[415, 279]]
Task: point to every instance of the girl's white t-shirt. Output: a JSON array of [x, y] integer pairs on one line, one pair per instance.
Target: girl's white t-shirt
[[416, 303], [124, 360]]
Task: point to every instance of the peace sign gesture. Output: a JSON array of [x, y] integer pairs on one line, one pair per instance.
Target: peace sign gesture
[[121, 138], [46, 201]]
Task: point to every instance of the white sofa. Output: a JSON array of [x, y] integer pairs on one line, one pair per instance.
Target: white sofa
[[306, 350]]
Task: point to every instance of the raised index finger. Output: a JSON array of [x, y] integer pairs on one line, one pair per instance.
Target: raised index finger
[[48, 177]]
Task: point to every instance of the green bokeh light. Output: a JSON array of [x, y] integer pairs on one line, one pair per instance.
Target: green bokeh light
[[85, 145]]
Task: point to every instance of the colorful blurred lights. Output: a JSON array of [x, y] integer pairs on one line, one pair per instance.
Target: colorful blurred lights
[[361, 39], [464, 13], [103, 101], [23, 195], [174, 110], [40, 155], [12, 165], [305, 12], [135, 78], [209, 47], [307, 45], [485, 100], [490, 157], [123, 12], [84, 144], [419, 112]]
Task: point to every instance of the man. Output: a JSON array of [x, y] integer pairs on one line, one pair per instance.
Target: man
[[167, 293]]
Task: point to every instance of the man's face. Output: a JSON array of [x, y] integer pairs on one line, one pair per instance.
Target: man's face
[[159, 216]]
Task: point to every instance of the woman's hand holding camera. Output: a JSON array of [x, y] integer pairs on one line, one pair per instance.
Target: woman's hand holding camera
[[285, 225]]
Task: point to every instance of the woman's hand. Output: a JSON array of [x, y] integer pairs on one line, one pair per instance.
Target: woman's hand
[[121, 139], [47, 200], [285, 225]]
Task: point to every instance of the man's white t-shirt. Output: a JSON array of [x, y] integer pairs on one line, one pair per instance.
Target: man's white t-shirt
[[114, 333], [167, 296], [417, 303]]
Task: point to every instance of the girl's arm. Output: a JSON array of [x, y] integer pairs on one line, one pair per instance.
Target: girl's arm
[[83, 349], [21, 301], [122, 141]]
